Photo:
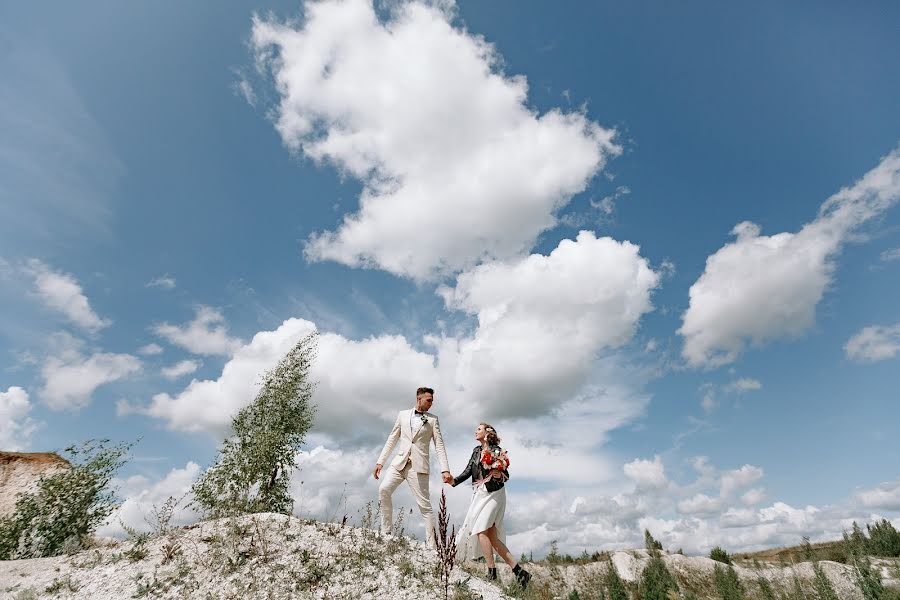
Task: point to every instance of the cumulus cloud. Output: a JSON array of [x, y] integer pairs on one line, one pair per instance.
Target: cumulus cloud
[[62, 292], [885, 496], [542, 323], [17, 425], [890, 255], [874, 343], [164, 281], [372, 378], [206, 334], [142, 498], [543, 319], [150, 350], [646, 474], [760, 288], [180, 369], [456, 167], [737, 479], [70, 377]]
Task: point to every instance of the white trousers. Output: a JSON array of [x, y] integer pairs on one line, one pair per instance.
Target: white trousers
[[418, 485]]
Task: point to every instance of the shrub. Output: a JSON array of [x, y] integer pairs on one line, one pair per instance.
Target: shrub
[[615, 587], [867, 579], [765, 588], [652, 544], [719, 554], [656, 580], [884, 540], [66, 507], [823, 586], [252, 470], [727, 583]]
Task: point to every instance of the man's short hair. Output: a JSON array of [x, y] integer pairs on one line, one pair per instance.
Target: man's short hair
[[424, 390]]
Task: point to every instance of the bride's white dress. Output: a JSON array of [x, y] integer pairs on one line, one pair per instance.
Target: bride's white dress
[[487, 508]]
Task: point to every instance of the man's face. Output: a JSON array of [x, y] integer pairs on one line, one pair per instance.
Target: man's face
[[424, 402]]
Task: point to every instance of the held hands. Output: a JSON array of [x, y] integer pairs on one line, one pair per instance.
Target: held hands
[[447, 477]]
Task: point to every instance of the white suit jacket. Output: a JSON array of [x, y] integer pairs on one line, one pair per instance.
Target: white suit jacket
[[415, 446]]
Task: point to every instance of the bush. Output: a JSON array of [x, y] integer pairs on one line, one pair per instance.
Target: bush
[[66, 507], [727, 583], [656, 580], [884, 540], [615, 587], [651, 543], [823, 586], [252, 470], [719, 554], [867, 579]]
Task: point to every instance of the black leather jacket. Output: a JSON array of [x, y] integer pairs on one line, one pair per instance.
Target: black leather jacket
[[477, 471]]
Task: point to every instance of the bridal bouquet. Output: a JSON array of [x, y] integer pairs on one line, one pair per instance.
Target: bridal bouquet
[[496, 460]]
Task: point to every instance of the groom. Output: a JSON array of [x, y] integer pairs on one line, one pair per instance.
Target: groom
[[415, 429]]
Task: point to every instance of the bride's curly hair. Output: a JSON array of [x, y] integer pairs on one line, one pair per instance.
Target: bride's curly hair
[[492, 438]]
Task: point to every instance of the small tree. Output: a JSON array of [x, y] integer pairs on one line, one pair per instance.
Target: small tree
[[867, 578], [727, 583], [884, 540], [824, 589], [656, 581], [615, 587], [651, 543], [719, 554], [252, 470], [66, 507]]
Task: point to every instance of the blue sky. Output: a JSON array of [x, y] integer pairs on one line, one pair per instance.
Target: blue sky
[[632, 236]]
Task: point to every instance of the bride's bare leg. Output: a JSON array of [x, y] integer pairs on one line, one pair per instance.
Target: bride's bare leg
[[501, 548], [485, 541]]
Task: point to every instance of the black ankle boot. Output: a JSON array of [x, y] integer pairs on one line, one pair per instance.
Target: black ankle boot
[[492, 573], [522, 576]]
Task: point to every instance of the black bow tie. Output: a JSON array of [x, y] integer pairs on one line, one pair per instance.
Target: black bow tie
[[418, 412]]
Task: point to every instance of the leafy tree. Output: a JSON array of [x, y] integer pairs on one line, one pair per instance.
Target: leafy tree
[[615, 587], [651, 543], [656, 581], [252, 470], [727, 583], [867, 578], [824, 589], [66, 507], [884, 540], [765, 588], [719, 554]]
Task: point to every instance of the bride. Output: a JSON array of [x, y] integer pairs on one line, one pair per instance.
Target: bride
[[482, 532]]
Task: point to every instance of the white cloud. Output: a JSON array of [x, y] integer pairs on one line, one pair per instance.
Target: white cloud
[[760, 288], [150, 350], [61, 292], [70, 378], [180, 369], [890, 255], [744, 384], [754, 496], [646, 474], [164, 281], [542, 322], [543, 319], [702, 505], [885, 496], [206, 334], [735, 480], [17, 425], [371, 379], [142, 499], [874, 343], [456, 168]]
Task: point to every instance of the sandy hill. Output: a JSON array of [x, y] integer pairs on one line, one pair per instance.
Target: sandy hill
[[20, 471], [275, 556]]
